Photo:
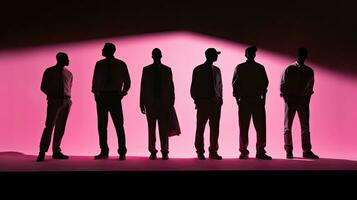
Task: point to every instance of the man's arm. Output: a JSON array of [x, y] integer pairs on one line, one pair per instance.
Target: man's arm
[[127, 81], [265, 84], [283, 84], [310, 86], [142, 91], [172, 89], [95, 79], [220, 87], [193, 89], [44, 82], [265, 81], [235, 84]]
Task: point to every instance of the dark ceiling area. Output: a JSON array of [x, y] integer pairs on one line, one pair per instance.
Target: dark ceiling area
[[327, 28]]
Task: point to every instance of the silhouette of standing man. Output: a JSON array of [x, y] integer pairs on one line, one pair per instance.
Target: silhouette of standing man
[[250, 83], [206, 91], [111, 82], [296, 88], [157, 97], [56, 84]]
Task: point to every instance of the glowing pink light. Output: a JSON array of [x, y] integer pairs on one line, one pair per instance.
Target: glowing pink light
[[23, 106]]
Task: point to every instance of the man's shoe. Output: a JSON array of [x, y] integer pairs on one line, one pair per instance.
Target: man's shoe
[[41, 157], [244, 156], [310, 155], [289, 155], [165, 156], [122, 157], [201, 156], [153, 156], [60, 156], [215, 156], [102, 156], [263, 156]]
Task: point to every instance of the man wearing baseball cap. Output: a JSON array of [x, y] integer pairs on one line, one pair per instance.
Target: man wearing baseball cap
[[206, 91]]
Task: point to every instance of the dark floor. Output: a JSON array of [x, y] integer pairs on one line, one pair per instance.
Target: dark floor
[[18, 162]]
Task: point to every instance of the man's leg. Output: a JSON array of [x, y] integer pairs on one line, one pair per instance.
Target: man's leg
[[164, 139], [116, 113], [102, 116], [259, 120], [214, 119], [61, 125], [202, 117], [151, 119], [244, 115], [289, 114], [304, 116], [52, 112]]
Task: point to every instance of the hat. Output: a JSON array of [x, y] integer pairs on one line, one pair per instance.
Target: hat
[[211, 51]]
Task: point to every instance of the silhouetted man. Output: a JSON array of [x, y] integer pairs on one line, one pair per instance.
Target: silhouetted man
[[296, 88], [111, 82], [206, 91], [56, 84], [250, 83], [157, 97]]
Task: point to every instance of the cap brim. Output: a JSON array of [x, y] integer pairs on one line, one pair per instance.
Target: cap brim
[[218, 52]]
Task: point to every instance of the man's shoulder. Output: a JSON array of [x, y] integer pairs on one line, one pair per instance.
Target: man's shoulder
[[67, 71], [118, 61], [198, 68], [50, 69], [216, 68], [309, 69], [100, 61], [241, 65], [165, 67], [291, 67], [114, 60], [259, 65], [148, 67]]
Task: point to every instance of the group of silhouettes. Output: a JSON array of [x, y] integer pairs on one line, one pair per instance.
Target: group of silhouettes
[[111, 82]]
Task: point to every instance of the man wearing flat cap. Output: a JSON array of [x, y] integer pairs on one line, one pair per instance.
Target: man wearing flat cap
[[250, 83], [206, 91]]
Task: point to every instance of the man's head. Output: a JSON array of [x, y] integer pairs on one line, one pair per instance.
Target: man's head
[[108, 50], [212, 54], [156, 54], [302, 54], [250, 52], [62, 59]]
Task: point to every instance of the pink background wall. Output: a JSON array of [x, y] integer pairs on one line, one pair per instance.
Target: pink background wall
[[23, 106]]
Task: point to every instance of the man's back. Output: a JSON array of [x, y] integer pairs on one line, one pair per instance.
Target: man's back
[[52, 79], [110, 75], [250, 79]]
